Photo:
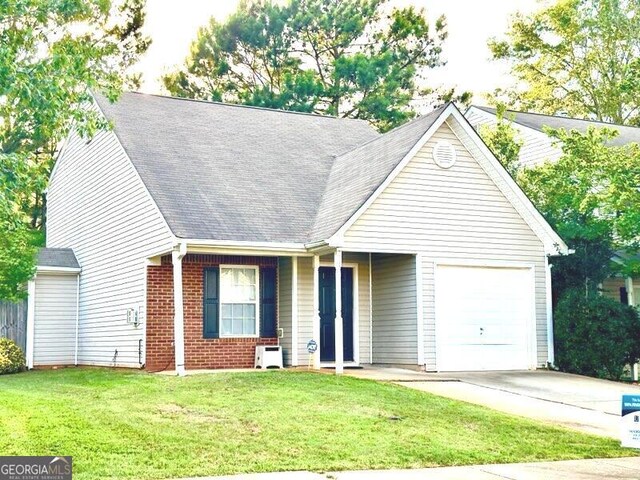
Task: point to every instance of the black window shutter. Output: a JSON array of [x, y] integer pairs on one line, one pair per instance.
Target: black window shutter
[[624, 296], [268, 320], [211, 305]]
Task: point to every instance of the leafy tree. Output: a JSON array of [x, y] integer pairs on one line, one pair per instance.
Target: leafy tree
[[577, 57], [590, 195], [348, 58], [595, 335], [52, 53], [503, 141]]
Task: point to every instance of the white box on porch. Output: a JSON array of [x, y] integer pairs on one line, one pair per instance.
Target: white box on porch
[[268, 356]]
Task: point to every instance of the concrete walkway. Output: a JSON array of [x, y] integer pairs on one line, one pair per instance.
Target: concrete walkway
[[586, 404], [615, 468]]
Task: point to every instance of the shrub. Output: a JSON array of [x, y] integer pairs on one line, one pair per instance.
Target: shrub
[[595, 335], [11, 357]]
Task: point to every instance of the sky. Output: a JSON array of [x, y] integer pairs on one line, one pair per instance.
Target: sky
[[172, 27]]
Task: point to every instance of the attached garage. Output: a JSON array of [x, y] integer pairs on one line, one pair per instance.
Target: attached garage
[[52, 318], [485, 318]]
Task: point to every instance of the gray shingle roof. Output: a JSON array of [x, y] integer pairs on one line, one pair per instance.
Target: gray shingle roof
[[229, 172], [57, 257], [538, 121], [356, 174]]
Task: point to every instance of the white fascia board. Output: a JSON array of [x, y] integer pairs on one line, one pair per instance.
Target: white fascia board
[[337, 238], [233, 247], [60, 270], [552, 241]]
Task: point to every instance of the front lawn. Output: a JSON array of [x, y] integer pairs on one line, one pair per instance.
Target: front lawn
[[128, 424]]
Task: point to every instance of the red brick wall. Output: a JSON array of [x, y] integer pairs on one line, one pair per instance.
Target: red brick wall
[[199, 352]]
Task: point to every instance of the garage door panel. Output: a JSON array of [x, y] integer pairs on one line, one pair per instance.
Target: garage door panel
[[484, 317]]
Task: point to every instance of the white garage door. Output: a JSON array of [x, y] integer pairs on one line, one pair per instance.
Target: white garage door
[[484, 318]]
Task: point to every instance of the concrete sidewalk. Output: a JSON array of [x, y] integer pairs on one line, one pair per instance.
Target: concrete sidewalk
[[610, 468]]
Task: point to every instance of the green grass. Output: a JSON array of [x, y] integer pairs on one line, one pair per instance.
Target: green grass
[[128, 424]]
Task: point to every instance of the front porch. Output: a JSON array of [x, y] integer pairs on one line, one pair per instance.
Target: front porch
[[373, 321], [226, 305]]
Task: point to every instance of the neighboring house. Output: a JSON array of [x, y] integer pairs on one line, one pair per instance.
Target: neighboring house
[[538, 147], [204, 230]]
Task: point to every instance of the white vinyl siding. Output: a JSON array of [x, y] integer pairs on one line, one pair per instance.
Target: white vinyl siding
[[537, 147], [394, 310], [99, 207], [54, 332], [284, 306], [305, 308], [454, 214], [362, 260]]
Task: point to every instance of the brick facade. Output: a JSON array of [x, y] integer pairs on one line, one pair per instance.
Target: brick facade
[[199, 352]]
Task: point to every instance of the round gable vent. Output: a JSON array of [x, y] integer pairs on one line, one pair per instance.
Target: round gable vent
[[444, 154]]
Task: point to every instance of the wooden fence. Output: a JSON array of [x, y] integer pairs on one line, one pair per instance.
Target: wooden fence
[[13, 322]]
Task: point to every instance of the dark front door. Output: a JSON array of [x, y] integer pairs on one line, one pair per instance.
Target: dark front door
[[328, 313]]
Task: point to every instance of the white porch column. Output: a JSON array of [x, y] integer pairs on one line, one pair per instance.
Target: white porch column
[[337, 261], [420, 311], [550, 349], [294, 312], [316, 310], [628, 285], [370, 310], [178, 307], [31, 320]]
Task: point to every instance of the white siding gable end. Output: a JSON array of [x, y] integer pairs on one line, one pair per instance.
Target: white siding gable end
[[99, 207]]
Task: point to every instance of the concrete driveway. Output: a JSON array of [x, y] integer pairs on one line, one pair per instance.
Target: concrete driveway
[[586, 404]]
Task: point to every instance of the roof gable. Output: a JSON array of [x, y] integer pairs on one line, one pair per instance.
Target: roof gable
[[488, 162], [356, 174]]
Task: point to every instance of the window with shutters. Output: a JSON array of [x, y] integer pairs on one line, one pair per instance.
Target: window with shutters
[[240, 301], [239, 312]]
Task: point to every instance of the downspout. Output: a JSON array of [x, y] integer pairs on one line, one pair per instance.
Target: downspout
[[75, 361]]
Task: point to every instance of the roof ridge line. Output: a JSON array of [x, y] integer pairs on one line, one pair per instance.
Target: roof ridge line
[[251, 107], [396, 129]]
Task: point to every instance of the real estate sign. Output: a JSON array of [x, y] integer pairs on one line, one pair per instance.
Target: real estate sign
[[630, 421]]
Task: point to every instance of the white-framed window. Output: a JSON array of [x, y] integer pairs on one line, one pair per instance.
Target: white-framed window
[[239, 293]]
